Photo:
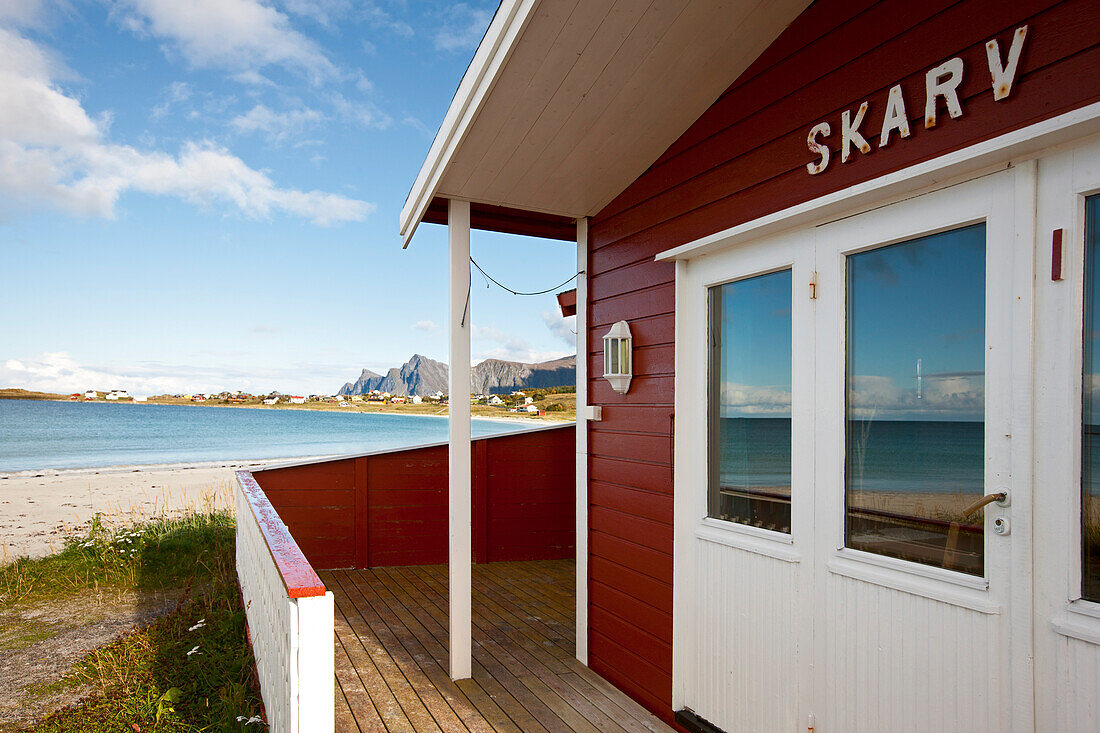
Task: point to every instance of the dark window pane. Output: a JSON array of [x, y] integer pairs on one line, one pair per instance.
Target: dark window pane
[[916, 400], [1090, 417], [750, 402]]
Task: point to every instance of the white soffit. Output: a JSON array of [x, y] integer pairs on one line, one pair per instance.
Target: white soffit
[[567, 102]]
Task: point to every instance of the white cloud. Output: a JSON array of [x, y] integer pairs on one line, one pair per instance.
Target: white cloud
[[380, 18], [59, 372], [360, 113], [23, 12], [564, 328], [54, 155], [276, 126], [492, 343], [325, 12], [238, 35], [462, 28], [426, 326], [417, 125], [754, 399], [949, 395], [177, 91]]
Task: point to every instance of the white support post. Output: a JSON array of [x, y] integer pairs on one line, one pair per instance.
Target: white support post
[[582, 441], [460, 511]]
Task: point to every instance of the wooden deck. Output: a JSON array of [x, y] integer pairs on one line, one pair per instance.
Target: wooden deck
[[391, 655]]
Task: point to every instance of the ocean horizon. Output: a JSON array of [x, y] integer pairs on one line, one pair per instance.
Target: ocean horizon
[[45, 435], [934, 456]]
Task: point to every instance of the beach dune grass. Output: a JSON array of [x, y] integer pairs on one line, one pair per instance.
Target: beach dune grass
[[187, 671]]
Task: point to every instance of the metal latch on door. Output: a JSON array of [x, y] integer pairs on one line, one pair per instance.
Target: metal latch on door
[[1001, 498]]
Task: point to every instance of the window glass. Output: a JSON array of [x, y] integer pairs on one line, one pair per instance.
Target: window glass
[[1090, 414], [915, 449], [750, 402]]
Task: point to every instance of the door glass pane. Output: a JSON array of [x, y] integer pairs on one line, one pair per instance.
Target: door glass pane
[[916, 400], [750, 402], [1090, 417]]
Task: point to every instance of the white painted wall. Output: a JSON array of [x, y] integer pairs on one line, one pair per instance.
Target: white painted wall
[[292, 639]]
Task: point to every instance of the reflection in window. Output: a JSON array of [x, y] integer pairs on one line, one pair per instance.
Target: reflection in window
[[750, 402], [916, 400], [1090, 414]]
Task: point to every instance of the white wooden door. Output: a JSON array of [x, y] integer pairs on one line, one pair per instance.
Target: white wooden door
[[922, 615], [742, 574], [881, 607]]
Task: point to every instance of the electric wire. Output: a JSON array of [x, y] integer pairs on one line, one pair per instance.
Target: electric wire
[[502, 286]]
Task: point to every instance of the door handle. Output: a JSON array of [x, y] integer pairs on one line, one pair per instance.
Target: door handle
[[1000, 525], [1001, 497]]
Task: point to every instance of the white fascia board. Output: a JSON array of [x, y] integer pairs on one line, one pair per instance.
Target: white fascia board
[[496, 47], [1011, 147]]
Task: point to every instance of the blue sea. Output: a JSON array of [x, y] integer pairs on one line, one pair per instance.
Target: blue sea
[[59, 435], [883, 455]]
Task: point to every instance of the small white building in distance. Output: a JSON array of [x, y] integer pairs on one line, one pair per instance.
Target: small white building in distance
[[91, 394], [297, 400], [495, 400], [271, 401], [416, 399]]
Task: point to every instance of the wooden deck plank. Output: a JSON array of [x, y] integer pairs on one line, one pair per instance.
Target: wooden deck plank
[[400, 670], [392, 661], [407, 620], [386, 706], [354, 709], [509, 658], [343, 719], [433, 604]]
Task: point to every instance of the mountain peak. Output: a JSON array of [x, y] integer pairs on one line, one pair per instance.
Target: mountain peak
[[421, 375]]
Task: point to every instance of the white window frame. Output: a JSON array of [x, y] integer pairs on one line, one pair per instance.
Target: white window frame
[[794, 253], [1067, 179]]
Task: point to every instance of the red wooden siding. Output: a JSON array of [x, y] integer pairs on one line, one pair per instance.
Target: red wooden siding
[[745, 158], [391, 508]]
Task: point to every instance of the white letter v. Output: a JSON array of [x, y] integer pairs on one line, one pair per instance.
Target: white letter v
[[1003, 78]]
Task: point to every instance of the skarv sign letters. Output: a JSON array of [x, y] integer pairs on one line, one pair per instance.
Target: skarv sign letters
[[940, 83]]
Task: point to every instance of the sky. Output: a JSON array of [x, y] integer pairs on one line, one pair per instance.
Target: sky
[[204, 195], [918, 301]]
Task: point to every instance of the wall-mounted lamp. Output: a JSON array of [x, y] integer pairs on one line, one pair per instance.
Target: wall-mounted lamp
[[617, 357]]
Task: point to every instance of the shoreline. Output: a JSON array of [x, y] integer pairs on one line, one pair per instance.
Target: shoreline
[[38, 511], [309, 407]]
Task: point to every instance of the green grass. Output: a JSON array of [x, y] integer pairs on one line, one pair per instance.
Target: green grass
[[148, 679], [155, 555]]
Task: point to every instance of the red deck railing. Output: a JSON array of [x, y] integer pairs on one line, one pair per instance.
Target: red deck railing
[[298, 575], [390, 507]]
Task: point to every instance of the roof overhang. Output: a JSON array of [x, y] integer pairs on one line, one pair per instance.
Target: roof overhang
[[567, 102]]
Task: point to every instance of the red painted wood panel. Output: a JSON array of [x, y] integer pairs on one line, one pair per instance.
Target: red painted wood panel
[[635, 474], [391, 508], [651, 331], [745, 158], [637, 418], [642, 504], [643, 676]]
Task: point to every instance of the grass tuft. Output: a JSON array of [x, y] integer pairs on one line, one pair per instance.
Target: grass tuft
[[191, 670]]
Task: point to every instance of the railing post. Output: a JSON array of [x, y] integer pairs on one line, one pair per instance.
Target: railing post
[[460, 554]]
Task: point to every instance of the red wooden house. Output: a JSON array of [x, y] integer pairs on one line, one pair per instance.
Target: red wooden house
[[839, 233], [836, 456]]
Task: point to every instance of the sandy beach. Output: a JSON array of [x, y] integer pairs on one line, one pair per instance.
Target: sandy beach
[[38, 508]]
